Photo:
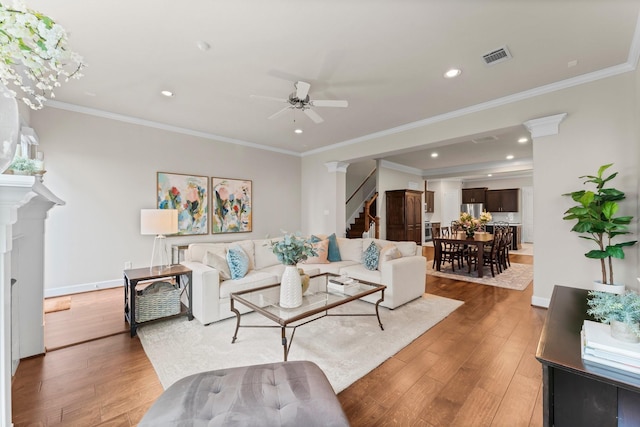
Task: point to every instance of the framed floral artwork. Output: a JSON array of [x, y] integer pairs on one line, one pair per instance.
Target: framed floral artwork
[[188, 194], [231, 205]]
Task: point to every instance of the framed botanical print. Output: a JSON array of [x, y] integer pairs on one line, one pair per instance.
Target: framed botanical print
[[188, 194], [230, 205]]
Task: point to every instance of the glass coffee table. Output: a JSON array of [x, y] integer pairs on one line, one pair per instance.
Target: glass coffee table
[[324, 293]]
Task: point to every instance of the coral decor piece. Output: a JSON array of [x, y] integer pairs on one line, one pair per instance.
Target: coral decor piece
[[34, 56]]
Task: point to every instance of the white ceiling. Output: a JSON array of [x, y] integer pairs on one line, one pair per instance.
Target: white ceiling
[[386, 57]]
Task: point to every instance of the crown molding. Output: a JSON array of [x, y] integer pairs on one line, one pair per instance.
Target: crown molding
[[162, 126], [400, 168], [532, 93]]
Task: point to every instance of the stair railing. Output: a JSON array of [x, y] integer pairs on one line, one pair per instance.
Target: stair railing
[[371, 221]]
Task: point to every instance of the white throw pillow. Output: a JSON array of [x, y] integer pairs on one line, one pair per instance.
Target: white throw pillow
[[215, 260], [388, 253], [350, 249]]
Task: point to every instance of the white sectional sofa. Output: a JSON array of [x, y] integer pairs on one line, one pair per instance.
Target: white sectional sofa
[[404, 276]]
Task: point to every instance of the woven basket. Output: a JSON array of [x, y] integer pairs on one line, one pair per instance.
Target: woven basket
[[160, 299]]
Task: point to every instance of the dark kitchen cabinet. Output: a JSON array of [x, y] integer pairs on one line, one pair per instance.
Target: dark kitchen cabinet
[[429, 201], [473, 195], [502, 200], [404, 215]]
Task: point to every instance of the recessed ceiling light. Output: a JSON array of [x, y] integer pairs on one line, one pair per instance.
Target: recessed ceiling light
[[434, 155], [489, 174], [454, 72], [510, 157], [298, 131], [523, 140], [203, 45], [167, 93]]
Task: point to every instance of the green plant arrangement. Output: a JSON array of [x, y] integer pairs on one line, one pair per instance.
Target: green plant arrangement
[[23, 164], [595, 215], [292, 249], [607, 307]]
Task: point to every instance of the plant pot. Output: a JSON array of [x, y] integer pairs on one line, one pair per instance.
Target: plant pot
[[622, 332], [290, 288], [614, 289]]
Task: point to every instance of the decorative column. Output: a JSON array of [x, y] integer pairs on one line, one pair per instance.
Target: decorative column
[[336, 215], [541, 128], [24, 203]]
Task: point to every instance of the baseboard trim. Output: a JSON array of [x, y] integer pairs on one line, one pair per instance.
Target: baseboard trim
[[86, 287], [540, 302]]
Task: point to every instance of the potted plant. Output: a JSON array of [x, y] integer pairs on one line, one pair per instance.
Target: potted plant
[[597, 221], [24, 166], [621, 311], [290, 250]]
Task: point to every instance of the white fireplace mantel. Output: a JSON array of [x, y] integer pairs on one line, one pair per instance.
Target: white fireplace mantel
[[24, 203]]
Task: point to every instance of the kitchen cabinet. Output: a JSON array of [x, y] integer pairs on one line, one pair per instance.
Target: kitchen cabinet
[[474, 195], [404, 215], [429, 201], [502, 200]]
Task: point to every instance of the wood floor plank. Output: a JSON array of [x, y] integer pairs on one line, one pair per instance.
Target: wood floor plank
[[476, 367]]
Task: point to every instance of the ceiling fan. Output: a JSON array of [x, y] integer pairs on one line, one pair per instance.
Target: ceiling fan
[[299, 100]]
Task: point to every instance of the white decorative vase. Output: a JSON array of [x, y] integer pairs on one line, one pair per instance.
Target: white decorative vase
[[291, 288], [614, 289], [9, 129], [621, 331]]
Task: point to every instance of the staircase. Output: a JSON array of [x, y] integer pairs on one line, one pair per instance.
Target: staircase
[[364, 219]]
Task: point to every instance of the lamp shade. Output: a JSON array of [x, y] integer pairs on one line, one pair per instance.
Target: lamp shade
[[158, 221]]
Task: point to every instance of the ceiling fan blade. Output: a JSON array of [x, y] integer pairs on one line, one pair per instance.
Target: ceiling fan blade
[[313, 116], [268, 98], [302, 90], [330, 103], [273, 116]]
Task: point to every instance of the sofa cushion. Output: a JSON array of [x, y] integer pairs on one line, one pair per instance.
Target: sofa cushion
[[264, 256], [197, 251], [332, 267], [350, 249], [359, 272], [238, 261], [322, 249], [370, 257], [253, 279], [334, 250], [218, 261]]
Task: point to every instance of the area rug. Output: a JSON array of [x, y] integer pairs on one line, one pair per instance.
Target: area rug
[[518, 276], [345, 348], [52, 305]]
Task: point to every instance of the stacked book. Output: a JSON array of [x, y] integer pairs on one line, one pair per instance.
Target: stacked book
[[602, 350], [343, 284]]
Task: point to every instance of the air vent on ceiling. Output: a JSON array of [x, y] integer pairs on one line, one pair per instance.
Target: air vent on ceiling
[[498, 55], [484, 139]]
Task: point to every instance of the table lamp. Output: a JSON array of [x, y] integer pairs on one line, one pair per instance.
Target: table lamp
[[159, 222]]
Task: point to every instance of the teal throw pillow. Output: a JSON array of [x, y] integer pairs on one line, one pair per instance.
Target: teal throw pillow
[[371, 256], [238, 261], [334, 251]]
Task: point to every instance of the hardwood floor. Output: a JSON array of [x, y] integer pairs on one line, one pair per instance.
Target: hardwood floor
[[476, 367]]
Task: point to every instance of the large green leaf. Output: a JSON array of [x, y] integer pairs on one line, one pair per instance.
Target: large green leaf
[[609, 209], [596, 254]]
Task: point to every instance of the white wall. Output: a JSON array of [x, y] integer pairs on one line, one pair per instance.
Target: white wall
[[601, 127], [106, 172]]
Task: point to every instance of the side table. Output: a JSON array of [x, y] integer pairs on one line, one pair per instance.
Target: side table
[[181, 275]]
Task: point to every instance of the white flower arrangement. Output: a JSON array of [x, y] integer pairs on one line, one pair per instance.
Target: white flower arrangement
[[33, 54]]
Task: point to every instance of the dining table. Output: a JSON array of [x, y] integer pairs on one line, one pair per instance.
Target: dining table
[[479, 240]]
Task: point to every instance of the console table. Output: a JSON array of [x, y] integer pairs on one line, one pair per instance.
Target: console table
[[575, 394], [180, 274]]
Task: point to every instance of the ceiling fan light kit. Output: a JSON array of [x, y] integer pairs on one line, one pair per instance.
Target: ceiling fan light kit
[[299, 100]]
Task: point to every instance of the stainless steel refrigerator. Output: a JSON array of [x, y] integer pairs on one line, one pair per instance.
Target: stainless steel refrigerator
[[475, 209]]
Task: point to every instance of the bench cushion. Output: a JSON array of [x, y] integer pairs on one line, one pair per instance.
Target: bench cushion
[[293, 393]]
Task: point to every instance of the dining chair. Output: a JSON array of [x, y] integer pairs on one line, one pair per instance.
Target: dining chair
[[491, 255]]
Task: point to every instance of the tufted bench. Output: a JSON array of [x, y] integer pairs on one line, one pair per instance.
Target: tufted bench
[[293, 393]]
